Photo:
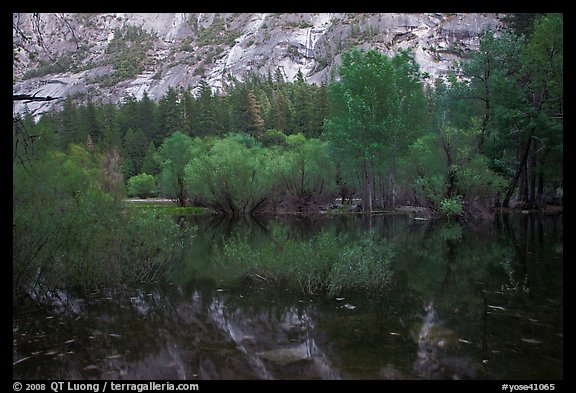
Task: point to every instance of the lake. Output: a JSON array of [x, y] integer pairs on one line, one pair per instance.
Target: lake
[[474, 301]]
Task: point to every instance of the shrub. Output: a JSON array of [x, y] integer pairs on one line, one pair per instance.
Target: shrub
[[451, 207], [273, 137], [142, 185], [233, 178], [67, 231]]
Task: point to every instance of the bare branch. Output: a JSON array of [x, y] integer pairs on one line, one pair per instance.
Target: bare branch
[[37, 28], [70, 29], [28, 97]]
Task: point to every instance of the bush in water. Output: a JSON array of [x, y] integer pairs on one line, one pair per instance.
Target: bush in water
[[68, 231], [327, 263]]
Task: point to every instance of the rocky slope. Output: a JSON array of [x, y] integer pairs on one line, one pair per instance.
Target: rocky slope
[[110, 55]]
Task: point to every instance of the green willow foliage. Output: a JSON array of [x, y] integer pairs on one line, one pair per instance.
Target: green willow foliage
[[237, 175], [68, 231], [174, 155], [310, 168], [142, 185], [448, 171], [377, 107], [231, 177]]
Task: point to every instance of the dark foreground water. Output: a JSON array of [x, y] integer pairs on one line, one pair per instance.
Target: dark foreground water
[[464, 302]]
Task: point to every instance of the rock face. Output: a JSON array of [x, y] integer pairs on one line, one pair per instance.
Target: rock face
[[108, 56]]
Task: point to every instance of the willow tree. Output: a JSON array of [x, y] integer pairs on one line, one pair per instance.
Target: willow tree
[[377, 109], [307, 173], [174, 154], [232, 177]]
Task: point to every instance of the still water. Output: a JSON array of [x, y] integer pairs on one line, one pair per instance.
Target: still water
[[482, 301]]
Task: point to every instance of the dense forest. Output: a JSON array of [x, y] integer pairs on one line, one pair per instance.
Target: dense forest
[[382, 135], [489, 135]]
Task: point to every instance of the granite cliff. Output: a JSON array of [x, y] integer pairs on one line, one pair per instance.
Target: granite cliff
[[108, 56]]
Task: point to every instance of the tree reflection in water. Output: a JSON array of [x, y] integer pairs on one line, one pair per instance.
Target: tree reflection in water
[[453, 311]]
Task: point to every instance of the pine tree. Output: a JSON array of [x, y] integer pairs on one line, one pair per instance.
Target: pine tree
[[89, 120], [147, 119], [207, 117], [135, 145], [110, 129], [150, 164], [222, 114], [255, 122], [128, 116], [189, 113], [279, 114], [238, 102], [46, 128], [169, 115], [320, 110], [69, 125], [278, 76], [89, 144], [301, 104]]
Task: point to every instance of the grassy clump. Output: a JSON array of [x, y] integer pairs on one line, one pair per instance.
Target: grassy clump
[[327, 263]]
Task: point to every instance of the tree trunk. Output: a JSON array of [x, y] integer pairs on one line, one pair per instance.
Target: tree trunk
[[519, 171], [181, 193], [540, 197], [451, 177], [366, 188], [392, 185], [381, 189], [524, 182], [486, 117], [532, 183]]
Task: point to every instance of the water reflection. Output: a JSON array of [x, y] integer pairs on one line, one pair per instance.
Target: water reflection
[[465, 303], [433, 356], [170, 334]]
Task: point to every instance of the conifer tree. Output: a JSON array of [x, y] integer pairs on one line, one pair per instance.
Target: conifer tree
[[150, 164]]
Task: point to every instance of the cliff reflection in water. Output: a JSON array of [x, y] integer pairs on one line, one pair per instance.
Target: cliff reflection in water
[[169, 335]]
